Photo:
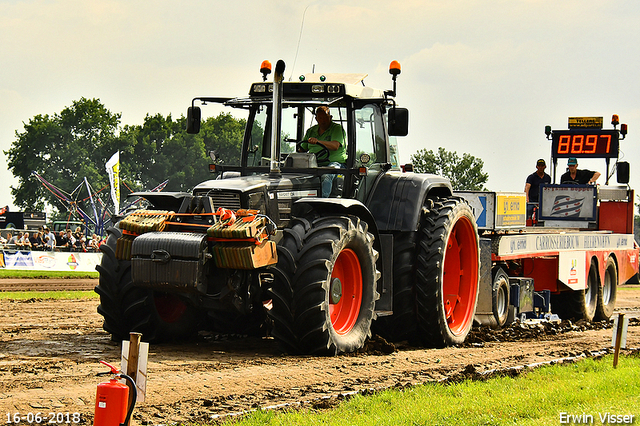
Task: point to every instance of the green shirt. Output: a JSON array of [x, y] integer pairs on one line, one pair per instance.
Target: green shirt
[[335, 132]]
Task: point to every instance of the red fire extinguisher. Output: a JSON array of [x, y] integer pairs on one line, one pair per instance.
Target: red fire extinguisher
[[112, 398]]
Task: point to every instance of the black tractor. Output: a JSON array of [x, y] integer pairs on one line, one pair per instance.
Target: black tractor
[[318, 253]]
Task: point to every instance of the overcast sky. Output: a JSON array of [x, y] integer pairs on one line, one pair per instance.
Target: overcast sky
[[479, 77]]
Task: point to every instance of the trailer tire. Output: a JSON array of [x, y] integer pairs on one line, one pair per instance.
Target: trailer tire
[[607, 292], [579, 304], [447, 272], [500, 297], [126, 308]]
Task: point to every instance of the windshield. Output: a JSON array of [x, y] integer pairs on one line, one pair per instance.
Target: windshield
[[296, 120], [366, 136]]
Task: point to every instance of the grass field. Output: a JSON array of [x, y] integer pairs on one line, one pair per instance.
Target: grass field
[[583, 392], [28, 295], [12, 273]]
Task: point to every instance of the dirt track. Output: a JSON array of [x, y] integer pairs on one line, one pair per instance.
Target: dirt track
[[49, 353]]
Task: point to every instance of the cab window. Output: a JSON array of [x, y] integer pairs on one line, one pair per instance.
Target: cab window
[[370, 136]]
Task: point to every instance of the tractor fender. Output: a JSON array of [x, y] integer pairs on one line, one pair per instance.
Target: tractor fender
[[326, 206], [382, 243], [397, 198]]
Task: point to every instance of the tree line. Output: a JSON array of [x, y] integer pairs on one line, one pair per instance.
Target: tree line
[[67, 147]]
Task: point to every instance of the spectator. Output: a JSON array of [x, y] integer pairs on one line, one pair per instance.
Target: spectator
[[94, 244], [578, 176], [50, 239], [36, 241], [534, 180], [12, 240], [26, 243], [61, 240], [71, 241]]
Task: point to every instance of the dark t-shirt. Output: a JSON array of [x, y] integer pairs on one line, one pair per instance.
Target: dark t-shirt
[[535, 181], [583, 176]]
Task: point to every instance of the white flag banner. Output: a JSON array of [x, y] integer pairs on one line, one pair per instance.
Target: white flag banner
[[113, 169]]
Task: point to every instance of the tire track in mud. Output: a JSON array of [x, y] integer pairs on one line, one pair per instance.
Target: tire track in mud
[[48, 284]]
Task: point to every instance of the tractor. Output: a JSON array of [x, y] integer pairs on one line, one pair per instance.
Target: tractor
[[258, 249]]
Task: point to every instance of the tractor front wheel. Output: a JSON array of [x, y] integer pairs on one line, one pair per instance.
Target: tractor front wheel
[[324, 289]]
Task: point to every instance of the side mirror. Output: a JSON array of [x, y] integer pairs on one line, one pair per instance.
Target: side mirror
[[623, 172], [193, 120], [398, 122]]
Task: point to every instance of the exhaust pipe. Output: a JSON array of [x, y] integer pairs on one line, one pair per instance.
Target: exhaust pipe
[[276, 118]]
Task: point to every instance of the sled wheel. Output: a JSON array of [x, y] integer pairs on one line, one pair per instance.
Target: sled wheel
[[500, 297], [447, 272], [126, 308], [607, 292], [579, 304]]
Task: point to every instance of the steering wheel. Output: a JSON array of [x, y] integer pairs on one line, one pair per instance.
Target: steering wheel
[[322, 156]]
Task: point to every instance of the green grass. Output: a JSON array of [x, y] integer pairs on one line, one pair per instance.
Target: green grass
[[537, 397], [12, 273], [66, 295]]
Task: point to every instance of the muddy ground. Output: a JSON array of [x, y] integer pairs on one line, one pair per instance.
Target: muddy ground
[[49, 353]]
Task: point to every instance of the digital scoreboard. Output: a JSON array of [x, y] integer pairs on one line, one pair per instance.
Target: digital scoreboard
[[585, 143]]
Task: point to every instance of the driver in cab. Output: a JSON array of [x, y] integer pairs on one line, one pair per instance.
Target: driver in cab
[[331, 136]]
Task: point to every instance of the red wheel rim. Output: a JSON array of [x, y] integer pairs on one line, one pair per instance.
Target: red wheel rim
[[460, 276], [344, 313], [170, 308]]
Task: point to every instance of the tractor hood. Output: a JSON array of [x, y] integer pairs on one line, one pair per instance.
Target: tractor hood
[[254, 183]]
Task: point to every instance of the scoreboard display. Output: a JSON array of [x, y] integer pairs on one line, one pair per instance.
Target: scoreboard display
[[585, 143]]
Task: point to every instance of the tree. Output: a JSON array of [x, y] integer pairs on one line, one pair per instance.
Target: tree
[[76, 143], [64, 148], [464, 173], [163, 150]]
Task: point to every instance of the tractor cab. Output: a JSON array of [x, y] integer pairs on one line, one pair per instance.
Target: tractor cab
[[275, 151]]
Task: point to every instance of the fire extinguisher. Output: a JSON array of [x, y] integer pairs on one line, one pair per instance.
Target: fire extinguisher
[[112, 398]]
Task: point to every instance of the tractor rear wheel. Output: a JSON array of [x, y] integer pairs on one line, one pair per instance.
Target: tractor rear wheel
[[447, 272], [126, 308]]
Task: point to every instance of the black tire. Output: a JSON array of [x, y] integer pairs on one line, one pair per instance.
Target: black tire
[[402, 324], [447, 272], [158, 316], [607, 292], [281, 291], [324, 289], [579, 304], [500, 297]]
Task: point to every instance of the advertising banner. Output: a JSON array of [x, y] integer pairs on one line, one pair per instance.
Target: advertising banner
[[51, 261]]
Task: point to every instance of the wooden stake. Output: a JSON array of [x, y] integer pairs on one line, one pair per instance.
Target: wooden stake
[[618, 339], [132, 361]]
